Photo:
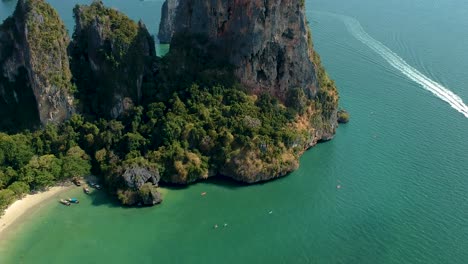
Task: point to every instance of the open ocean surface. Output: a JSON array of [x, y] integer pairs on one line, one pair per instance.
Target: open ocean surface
[[402, 162]]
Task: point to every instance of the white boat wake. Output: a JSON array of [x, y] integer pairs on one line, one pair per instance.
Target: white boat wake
[[355, 28]]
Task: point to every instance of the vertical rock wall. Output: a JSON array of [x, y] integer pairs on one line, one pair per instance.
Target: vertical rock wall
[[265, 40], [34, 69]]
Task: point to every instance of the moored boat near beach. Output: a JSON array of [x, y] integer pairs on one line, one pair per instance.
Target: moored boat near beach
[[73, 200], [64, 202]]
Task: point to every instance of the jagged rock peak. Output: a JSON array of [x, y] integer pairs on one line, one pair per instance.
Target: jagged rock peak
[[166, 26], [35, 78], [112, 57]]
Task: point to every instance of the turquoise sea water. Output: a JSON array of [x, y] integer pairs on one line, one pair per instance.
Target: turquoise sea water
[[402, 163]]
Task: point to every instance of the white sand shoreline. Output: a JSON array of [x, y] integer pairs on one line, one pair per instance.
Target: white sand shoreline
[[21, 207]]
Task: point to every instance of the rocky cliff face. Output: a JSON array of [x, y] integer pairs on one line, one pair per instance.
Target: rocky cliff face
[[265, 40], [34, 71], [269, 45], [112, 59]]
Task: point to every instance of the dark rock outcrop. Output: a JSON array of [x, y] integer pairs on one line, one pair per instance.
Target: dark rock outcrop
[[138, 183], [112, 59], [343, 116], [35, 79], [135, 177]]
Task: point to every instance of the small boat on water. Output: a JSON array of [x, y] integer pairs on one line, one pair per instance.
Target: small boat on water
[[97, 186], [64, 202], [73, 200], [86, 190]]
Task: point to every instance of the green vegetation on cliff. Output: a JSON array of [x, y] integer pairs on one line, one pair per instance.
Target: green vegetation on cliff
[[47, 38], [117, 27], [189, 137], [197, 132]]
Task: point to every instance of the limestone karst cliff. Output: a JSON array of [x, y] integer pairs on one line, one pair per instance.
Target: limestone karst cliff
[[269, 47], [35, 85], [112, 58]]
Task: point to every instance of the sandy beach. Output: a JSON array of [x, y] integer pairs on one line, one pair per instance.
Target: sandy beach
[[21, 207]]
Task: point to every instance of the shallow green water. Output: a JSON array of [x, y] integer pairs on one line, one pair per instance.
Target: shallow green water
[[402, 164]]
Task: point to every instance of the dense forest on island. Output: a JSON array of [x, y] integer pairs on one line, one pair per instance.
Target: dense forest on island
[[179, 125]]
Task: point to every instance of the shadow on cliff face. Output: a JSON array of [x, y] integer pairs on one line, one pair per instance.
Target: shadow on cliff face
[[222, 181], [230, 183], [105, 198], [225, 182], [18, 106], [219, 180], [192, 58]]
